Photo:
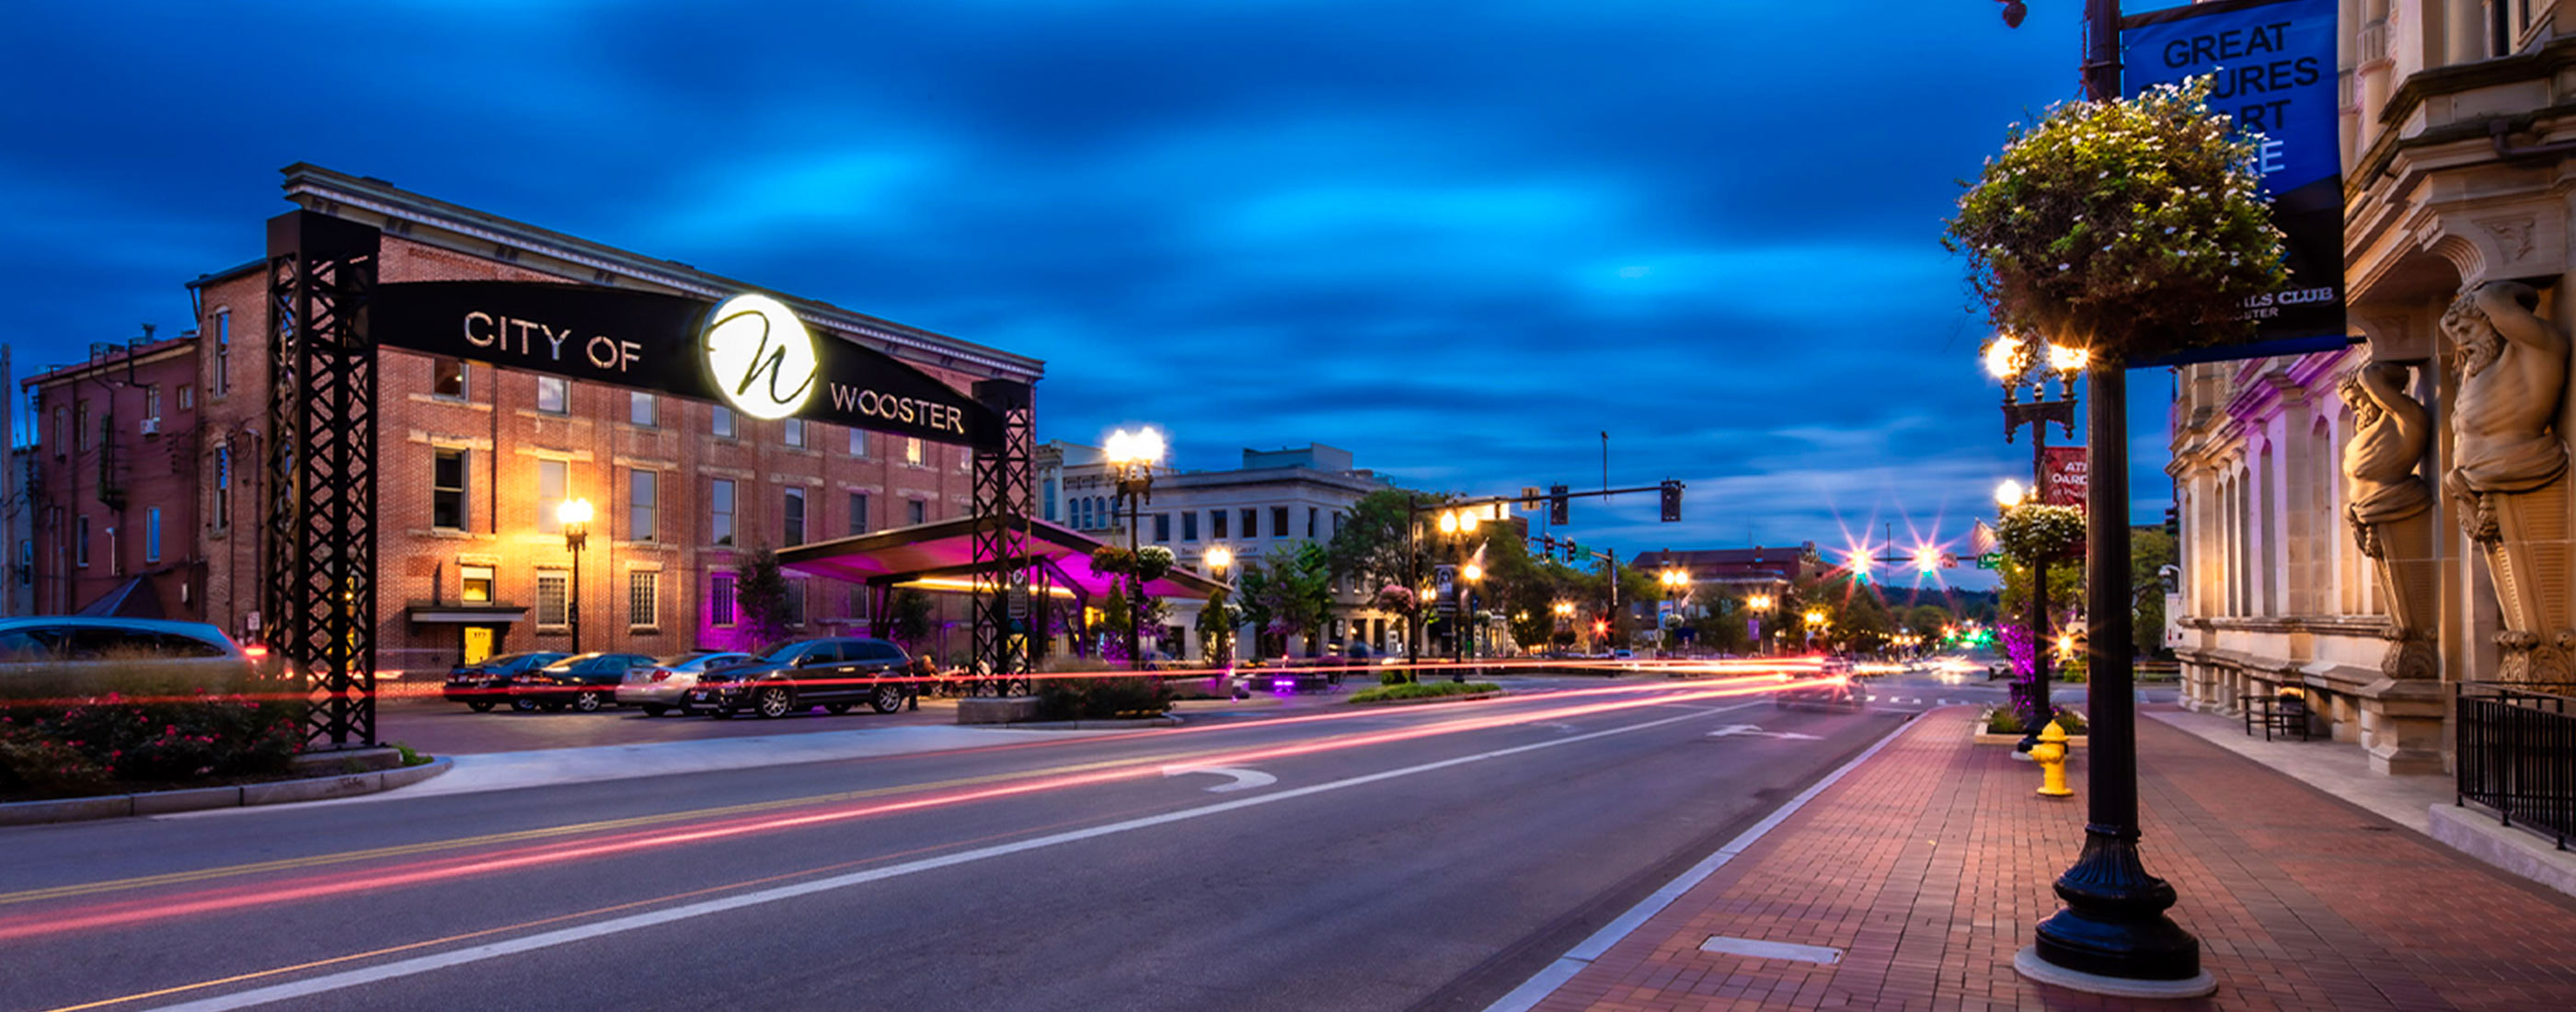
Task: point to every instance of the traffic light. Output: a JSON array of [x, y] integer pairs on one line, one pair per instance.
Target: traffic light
[[2173, 523], [1672, 501], [1547, 546], [1558, 512], [1571, 553]]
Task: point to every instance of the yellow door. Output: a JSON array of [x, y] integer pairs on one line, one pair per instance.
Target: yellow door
[[478, 643]]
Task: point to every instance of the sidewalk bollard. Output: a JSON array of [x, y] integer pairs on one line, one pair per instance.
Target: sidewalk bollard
[[2050, 753]]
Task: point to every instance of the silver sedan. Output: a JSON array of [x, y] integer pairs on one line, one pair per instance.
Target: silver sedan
[[665, 685]]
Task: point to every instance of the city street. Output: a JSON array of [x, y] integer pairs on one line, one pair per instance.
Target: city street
[[1380, 858]]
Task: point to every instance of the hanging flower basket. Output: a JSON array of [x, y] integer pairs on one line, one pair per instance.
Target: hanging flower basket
[[2035, 534], [2130, 228]]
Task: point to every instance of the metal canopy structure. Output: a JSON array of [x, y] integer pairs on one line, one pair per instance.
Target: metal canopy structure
[[943, 550]]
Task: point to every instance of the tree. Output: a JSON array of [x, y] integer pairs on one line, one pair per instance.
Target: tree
[[911, 621], [1295, 593], [1376, 547], [1927, 619], [2150, 551], [760, 598]]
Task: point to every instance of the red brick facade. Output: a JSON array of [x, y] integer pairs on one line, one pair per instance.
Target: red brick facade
[[116, 466], [597, 442]]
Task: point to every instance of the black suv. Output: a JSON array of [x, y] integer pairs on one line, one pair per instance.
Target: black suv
[[838, 672], [483, 686], [584, 682]]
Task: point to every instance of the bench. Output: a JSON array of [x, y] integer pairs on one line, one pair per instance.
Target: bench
[[2287, 715]]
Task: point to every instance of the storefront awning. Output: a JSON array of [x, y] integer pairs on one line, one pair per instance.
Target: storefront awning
[[496, 613], [943, 552]]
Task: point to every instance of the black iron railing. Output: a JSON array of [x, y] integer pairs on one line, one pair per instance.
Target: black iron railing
[[2516, 754]]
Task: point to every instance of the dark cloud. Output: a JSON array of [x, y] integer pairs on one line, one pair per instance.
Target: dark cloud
[[1460, 238]]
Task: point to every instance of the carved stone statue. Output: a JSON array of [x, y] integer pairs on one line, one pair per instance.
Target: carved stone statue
[[2391, 507], [2508, 465]]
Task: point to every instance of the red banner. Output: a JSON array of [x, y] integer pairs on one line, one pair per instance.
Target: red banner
[[2069, 477]]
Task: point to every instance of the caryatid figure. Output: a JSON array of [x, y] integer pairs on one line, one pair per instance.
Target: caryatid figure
[[2513, 373]]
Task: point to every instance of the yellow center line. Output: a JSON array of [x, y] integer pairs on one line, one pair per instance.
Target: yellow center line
[[551, 832]]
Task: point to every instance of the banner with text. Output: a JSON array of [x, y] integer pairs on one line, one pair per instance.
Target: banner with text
[[2069, 477], [2274, 67]]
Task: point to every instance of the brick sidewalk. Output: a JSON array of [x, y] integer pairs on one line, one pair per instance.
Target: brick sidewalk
[[1930, 863]]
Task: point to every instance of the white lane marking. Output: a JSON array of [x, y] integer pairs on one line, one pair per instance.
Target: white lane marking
[[1553, 725], [1238, 778], [1545, 982], [565, 936], [1756, 731]]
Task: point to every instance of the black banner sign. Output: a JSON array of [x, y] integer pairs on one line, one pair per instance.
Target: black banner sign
[[749, 352]]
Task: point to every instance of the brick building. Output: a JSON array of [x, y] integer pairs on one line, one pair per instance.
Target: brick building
[[474, 459], [111, 483]]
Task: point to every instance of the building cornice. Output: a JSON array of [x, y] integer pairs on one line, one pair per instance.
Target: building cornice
[[329, 192]]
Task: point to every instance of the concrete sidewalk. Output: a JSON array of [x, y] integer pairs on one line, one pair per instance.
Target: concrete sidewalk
[[1912, 882]]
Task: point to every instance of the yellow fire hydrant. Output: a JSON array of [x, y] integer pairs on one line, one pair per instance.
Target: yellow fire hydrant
[[2050, 754]]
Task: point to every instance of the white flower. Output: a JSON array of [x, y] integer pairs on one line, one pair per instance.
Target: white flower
[[2064, 266]]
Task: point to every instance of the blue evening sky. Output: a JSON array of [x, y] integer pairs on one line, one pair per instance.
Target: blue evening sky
[[1458, 238]]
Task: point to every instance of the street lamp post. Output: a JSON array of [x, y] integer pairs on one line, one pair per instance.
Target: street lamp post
[[1815, 621], [574, 515], [1465, 642], [1132, 457], [1755, 607], [2013, 362], [1456, 526], [1220, 560], [1676, 582], [2114, 924]]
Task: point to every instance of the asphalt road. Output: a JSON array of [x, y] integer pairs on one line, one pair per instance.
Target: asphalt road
[[1416, 857]]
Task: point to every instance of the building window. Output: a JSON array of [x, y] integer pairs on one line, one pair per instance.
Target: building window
[[1162, 527], [554, 395], [912, 450], [792, 531], [553, 606], [1252, 523], [720, 512], [792, 432], [858, 513], [643, 505], [722, 422], [642, 409], [477, 587], [552, 476], [187, 396], [80, 542], [1310, 522], [223, 495], [1337, 523], [858, 442], [80, 424], [152, 400], [1216, 524], [447, 377], [920, 511], [62, 439], [223, 351], [795, 601], [1047, 494], [1190, 525], [643, 599], [1278, 522], [152, 534], [720, 600], [447, 491]]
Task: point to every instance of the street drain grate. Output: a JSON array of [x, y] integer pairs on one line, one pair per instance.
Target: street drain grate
[[1760, 949]]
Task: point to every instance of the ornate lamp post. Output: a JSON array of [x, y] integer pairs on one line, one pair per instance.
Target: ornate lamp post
[[1815, 623], [1470, 573], [1676, 582], [574, 515], [1132, 457], [2009, 495], [1757, 606], [1564, 612], [1456, 526]]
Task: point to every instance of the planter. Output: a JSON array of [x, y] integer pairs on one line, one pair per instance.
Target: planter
[[1977, 728]]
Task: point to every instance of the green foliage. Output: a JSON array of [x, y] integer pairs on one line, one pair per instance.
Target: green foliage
[[2036, 533], [760, 596], [114, 742], [2002, 720], [1102, 698], [412, 756], [2129, 227], [2150, 551], [1422, 690], [912, 621], [1395, 676], [1288, 594]]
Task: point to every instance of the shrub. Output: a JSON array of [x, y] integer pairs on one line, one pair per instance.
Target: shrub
[[1102, 698], [155, 724], [1395, 676], [2002, 720], [1423, 690]]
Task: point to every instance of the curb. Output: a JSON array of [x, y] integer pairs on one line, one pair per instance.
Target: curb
[[1426, 700], [275, 792], [1166, 720]]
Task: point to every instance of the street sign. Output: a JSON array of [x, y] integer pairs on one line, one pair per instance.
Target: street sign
[[1990, 560]]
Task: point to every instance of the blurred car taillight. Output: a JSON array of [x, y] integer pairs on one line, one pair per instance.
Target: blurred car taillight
[[659, 675]]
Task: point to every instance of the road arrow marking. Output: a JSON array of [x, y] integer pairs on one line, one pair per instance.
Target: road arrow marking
[[1243, 779], [1756, 731]]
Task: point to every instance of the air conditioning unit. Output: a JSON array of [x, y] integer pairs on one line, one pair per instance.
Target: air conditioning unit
[[152, 426]]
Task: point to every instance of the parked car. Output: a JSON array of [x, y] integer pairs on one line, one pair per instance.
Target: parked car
[[486, 685], [838, 672], [81, 654], [584, 682], [664, 685]]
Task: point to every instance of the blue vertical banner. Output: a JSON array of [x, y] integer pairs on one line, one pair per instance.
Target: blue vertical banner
[[2272, 64]]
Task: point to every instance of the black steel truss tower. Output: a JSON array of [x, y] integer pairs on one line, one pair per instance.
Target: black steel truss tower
[[319, 589], [1003, 475]]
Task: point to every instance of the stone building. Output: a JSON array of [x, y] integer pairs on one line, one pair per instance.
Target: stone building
[[474, 460], [2364, 527]]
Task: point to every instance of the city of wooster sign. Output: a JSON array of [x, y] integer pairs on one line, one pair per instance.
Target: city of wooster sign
[[749, 352]]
